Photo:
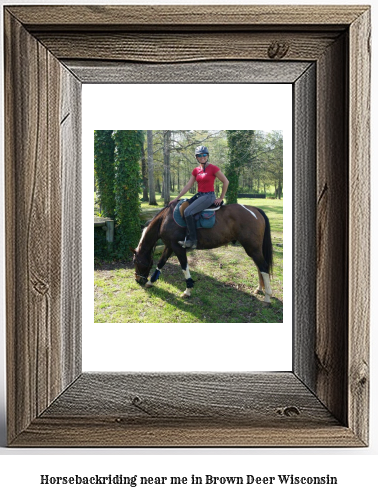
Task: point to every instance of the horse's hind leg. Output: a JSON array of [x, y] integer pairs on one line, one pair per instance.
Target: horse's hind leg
[[167, 252], [268, 289], [260, 288], [264, 280]]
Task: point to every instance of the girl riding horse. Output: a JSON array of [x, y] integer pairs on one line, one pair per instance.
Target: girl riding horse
[[205, 175]]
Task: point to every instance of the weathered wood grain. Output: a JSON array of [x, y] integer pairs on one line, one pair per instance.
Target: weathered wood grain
[[304, 213], [332, 230], [181, 47], [33, 242], [70, 161], [35, 190], [197, 409], [216, 72], [184, 16], [98, 432], [359, 226], [183, 396]]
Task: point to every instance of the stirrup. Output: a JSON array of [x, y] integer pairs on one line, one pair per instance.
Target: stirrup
[[188, 244]]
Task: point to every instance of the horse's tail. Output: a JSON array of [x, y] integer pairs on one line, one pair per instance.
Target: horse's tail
[[267, 243]]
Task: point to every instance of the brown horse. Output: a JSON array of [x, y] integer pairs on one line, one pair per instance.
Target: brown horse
[[248, 225]]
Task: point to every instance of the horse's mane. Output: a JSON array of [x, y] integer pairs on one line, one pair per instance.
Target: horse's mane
[[155, 216]]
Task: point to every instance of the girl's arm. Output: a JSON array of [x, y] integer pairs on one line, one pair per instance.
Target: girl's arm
[[225, 182]]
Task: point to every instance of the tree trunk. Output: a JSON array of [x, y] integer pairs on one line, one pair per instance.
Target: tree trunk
[[144, 175], [167, 167], [104, 171], [150, 161]]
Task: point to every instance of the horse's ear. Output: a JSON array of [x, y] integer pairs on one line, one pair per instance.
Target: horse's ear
[[133, 250]]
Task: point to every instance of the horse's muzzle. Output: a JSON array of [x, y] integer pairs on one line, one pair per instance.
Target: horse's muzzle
[[141, 280]]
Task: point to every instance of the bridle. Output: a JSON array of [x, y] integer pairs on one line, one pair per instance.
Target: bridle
[[145, 278]]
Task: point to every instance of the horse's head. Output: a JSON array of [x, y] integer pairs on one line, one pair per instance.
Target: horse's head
[[142, 267]]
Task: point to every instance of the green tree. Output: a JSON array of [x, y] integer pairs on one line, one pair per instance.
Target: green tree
[[239, 154], [274, 161], [150, 161], [127, 189], [104, 170]]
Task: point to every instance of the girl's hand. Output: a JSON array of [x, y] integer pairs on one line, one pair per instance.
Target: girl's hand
[[218, 201], [173, 201]]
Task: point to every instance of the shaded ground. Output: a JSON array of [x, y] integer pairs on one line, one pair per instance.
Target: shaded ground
[[225, 279]]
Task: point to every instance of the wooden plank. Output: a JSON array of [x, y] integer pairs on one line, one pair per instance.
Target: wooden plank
[[215, 396], [304, 229], [33, 241], [216, 72], [332, 230], [181, 47], [97, 432], [171, 16], [70, 129], [359, 226], [197, 409]]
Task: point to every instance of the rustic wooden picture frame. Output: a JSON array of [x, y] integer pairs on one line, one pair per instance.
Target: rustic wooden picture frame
[[49, 52]]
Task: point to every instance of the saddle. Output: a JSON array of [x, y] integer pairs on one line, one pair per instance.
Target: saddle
[[185, 204], [204, 219]]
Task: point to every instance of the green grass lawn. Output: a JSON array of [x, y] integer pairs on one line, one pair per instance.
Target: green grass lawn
[[225, 279]]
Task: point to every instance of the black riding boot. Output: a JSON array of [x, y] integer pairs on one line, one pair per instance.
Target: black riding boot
[[191, 241]]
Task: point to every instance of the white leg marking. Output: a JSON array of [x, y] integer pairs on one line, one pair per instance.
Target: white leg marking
[[187, 276], [268, 290], [186, 272], [250, 211]]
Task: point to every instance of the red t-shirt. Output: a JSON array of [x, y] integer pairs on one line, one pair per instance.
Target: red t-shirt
[[205, 179]]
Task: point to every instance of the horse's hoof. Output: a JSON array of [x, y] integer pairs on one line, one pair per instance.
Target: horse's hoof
[[185, 296], [148, 285], [267, 304], [258, 291]]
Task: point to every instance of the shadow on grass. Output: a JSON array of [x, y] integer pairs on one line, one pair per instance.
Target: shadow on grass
[[213, 300]]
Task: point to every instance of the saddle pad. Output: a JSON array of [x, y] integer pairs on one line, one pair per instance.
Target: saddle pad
[[205, 219]]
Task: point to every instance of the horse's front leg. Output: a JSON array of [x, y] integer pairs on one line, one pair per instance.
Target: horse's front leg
[[167, 252], [181, 255]]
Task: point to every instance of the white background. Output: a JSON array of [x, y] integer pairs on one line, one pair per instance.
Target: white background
[[355, 468], [186, 347]]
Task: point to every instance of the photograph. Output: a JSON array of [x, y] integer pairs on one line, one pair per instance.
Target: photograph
[[188, 226]]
